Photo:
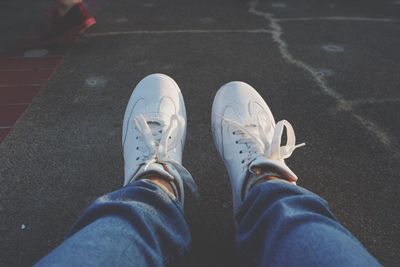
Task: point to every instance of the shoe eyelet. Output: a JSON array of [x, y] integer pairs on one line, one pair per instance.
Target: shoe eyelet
[[137, 148], [237, 142], [137, 137], [240, 152], [242, 161], [170, 137], [137, 158]]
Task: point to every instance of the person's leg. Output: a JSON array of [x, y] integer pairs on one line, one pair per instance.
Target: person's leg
[[138, 225], [142, 224], [63, 6], [69, 17], [281, 224], [278, 223]]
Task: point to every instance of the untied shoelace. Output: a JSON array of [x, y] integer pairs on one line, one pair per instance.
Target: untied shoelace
[[257, 145]]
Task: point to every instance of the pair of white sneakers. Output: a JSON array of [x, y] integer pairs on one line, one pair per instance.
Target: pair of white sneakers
[[244, 130]]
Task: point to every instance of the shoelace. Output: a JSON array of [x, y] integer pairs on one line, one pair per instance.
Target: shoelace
[[258, 145], [155, 139], [155, 146]]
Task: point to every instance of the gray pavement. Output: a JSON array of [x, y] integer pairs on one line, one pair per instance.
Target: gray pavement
[[329, 67], [19, 17]]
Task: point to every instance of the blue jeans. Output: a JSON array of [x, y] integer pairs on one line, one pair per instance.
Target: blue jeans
[[279, 224]]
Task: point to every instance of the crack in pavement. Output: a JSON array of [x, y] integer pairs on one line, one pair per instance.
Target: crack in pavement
[[276, 31], [368, 101], [342, 103]]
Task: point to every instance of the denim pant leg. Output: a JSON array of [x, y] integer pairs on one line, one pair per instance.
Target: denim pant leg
[[138, 225], [280, 224]]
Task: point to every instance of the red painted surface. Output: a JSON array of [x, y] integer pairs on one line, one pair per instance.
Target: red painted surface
[[24, 77], [18, 94], [18, 63], [21, 79], [4, 132], [9, 114]]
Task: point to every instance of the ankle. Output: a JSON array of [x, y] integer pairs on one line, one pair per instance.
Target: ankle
[[165, 185], [260, 176], [268, 178]]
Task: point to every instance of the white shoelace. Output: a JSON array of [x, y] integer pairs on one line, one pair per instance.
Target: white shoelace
[[155, 139], [156, 142], [258, 144]]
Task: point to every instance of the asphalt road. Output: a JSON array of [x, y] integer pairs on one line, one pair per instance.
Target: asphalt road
[[329, 67]]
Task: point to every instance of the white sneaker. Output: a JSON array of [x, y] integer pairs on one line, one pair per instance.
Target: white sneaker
[[154, 132], [248, 139]]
